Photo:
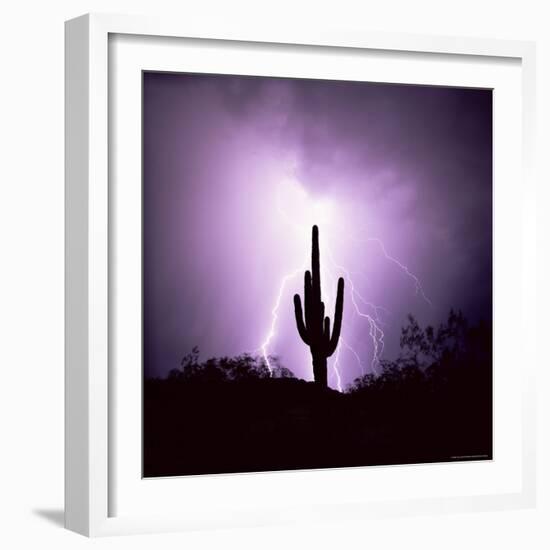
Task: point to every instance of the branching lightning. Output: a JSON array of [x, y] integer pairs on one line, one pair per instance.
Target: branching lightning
[[335, 367], [274, 317], [375, 332], [372, 315], [336, 371], [417, 285]]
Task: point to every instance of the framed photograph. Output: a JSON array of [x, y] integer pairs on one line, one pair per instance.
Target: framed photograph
[[298, 275]]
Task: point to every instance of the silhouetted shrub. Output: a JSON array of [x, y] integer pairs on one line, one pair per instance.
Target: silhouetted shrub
[[228, 369]]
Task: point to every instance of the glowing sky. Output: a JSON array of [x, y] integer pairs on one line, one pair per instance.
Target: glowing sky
[[237, 169]]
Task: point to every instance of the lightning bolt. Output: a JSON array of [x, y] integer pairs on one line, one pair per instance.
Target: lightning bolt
[[372, 316], [418, 286], [335, 367], [359, 362], [275, 316], [375, 332]]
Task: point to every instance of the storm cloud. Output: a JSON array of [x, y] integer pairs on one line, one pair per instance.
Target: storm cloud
[[236, 168]]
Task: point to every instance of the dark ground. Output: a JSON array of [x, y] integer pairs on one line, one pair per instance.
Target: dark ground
[[433, 404]]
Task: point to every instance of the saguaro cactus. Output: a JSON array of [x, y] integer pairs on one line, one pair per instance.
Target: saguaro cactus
[[314, 327]]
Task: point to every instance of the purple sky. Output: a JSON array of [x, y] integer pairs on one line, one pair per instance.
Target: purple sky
[[236, 170]]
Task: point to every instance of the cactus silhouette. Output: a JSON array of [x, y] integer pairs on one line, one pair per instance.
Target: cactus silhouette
[[314, 327]]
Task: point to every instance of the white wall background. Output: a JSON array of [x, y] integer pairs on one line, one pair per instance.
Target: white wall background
[[31, 269]]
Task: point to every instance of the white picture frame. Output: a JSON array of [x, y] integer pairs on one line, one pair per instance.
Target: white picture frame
[[91, 218]]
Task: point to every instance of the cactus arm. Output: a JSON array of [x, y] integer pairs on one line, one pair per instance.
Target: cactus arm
[[337, 318], [326, 332], [302, 331], [320, 317]]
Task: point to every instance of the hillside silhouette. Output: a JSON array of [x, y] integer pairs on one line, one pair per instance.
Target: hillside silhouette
[[432, 403]]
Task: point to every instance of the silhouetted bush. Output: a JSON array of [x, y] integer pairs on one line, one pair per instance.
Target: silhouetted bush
[[227, 369]]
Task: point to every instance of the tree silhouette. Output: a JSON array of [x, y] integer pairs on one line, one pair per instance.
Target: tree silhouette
[[314, 328]]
